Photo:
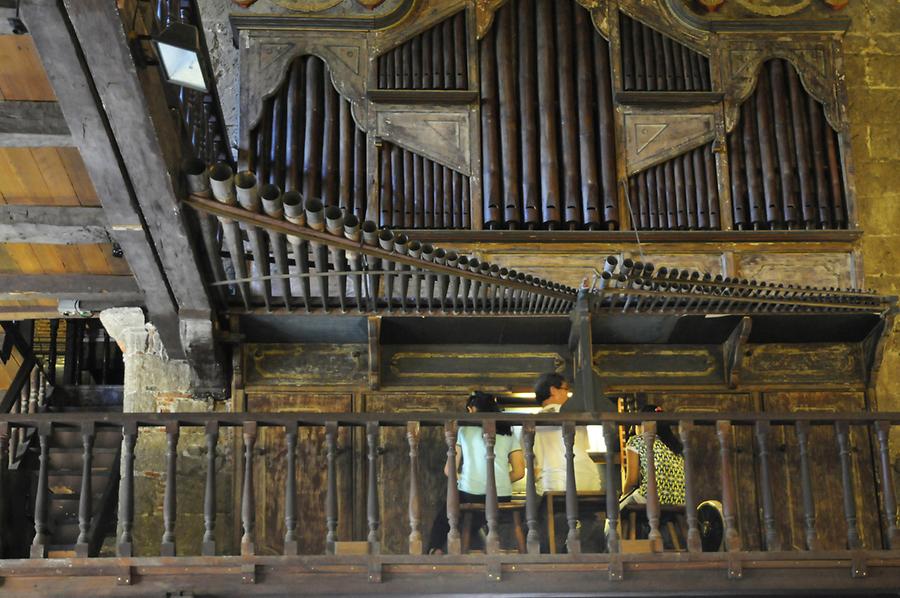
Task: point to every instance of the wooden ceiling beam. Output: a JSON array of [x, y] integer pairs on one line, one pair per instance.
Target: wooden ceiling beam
[[52, 225], [122, 290], [33, 124], [62, 58]]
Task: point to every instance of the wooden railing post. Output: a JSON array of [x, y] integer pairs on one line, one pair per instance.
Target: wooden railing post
[[415, 536], [169, 500], [773, 541], [124, 548], [209, 496], [290, 491], [653, 508], [84, 501], [6, 438], [331, 515], [573, 538], [732, 539], [843, 433], [491, 505], [51, 358], [372, 434], [533, 541], [453, 539], [41, 535], [611, 439], [248, 497], [889, 501], [685, 431], [809, 505]]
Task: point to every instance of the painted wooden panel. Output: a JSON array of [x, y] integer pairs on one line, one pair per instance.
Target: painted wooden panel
[[675, 365], [296, 364], [803, 364], [804, 269]]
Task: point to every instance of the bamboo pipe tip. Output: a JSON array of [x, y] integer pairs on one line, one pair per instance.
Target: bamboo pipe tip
[[334, 220], [197, 177], [247, 190], [221, 179], [271, 200], [292, 202], [386, 240], [370, 233], [315, 214]]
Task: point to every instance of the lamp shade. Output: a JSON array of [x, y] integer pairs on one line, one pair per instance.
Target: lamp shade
[[178, 47]]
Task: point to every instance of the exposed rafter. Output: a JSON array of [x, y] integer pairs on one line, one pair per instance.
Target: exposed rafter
[[32, 124], [55, 225], [117, 290]]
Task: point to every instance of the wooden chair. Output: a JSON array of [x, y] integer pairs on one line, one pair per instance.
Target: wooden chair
[[516, 507], [672, 518]]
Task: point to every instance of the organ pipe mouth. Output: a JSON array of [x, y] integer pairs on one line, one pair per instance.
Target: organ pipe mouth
[[315, 214], [247, 190], [401, 244], [293, 207], [386, 240], [221, 179], [271, 200], [428, 252], [440, 256], [414, 249], [370, 233], [452, 258], [197, 176], [334, 220], [351, 227]]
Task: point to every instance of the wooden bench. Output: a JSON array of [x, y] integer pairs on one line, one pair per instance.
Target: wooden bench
[[516, 507]]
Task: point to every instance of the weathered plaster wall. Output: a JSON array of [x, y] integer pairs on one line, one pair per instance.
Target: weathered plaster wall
[[872, 58]]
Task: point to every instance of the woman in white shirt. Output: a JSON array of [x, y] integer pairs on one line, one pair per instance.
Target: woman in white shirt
[[471, 463]]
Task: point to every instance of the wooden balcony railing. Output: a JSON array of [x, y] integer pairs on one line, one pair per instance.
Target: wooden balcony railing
[[868, 537]]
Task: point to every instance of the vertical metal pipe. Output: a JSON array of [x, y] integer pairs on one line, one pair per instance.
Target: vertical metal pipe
[[587, 147], [627, 43], [568, 113], [816, 120], [312, 142], [315, 218], [459, 49], [767, 150], [448, 52], [549, 126], [271, 198], [784, 142], [247, 192], [492, 182], [800, 124], [528, 112], [294, 213], [509, 118]]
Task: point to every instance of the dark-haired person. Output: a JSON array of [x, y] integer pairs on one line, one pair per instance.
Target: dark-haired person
[[669, 462], [552, 392], [471, 463]]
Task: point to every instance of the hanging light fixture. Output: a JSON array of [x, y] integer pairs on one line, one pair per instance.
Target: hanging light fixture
[[178, 47]]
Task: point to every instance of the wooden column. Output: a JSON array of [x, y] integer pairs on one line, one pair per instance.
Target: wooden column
[[248, 498], [773, 541], [531, 497], [209, 496], [453, 540], [652, 490], [169, 501], [580, 343], [809, 505], [491, 506], [372, 433], [84, 501], [732, 539], [415, 536], [843, 433], [685, 431], [888, 499]]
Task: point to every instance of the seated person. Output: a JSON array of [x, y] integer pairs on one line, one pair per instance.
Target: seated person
[[667, 455], [471, 463]]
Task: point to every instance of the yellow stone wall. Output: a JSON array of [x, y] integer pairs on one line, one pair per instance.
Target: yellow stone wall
[[872, 58]]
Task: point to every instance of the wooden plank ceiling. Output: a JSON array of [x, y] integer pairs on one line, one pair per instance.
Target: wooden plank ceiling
[[43, 176]]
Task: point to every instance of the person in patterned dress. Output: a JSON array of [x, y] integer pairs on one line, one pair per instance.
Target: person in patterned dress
[[667, 453]]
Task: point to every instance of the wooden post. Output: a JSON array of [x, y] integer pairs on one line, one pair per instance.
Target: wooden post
[[372, 431], [124, 548], [415, 536], [331, 516], [773, 541], [888, 499], [843, 439], [84, 501], [51, 359], [169, 501], [41, 535], [531, 497], [453, 540], [290, 490], [732, 539], [652, 490], [491, 505], [248, 500], [581, 344], [573, 539], [209, 497], [6, 442], [611, 439], [809, 505], [685, 431]]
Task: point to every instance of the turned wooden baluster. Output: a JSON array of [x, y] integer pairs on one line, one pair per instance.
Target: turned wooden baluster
[[415, 536], [6, 436], [732, 539], [248, 499], [809, 505], [209, 496], [124, 548], [653, 508], [372, 430], [533, 540], [685, 431], [573, 539], [773, 541], [613, 477], [331, 517], [290, 491], [84, 501], [51, 359], [11, 442], [491, 505], [453, 539], [843, 431], [41, 535], [34, 388], [888, 499], [169, 500]]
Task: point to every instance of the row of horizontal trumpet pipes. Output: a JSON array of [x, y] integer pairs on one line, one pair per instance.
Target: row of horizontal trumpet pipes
[[638, 287], [376, 262]]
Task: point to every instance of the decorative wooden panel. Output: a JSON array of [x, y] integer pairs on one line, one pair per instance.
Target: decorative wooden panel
[[784, 158], [825, 469], [306, 140], [416, 192], [642, 364], [307, 363], [434, 59], [653, 61], [804, 269], [797, 364], [548, 141], [269, 474], [680, 193]]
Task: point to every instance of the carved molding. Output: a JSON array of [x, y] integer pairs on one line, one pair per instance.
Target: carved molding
[[660, 16], [422, 17], [651, 138], [440, 135], [486, 9]]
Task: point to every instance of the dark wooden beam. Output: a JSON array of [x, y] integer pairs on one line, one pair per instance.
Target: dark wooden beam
[[33, 124], [134, 99], [62, 58], [52, 225], [122, 290]]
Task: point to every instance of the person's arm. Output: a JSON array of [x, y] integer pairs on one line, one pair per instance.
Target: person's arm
[[517, 466], [632, 471], [458, 462]]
